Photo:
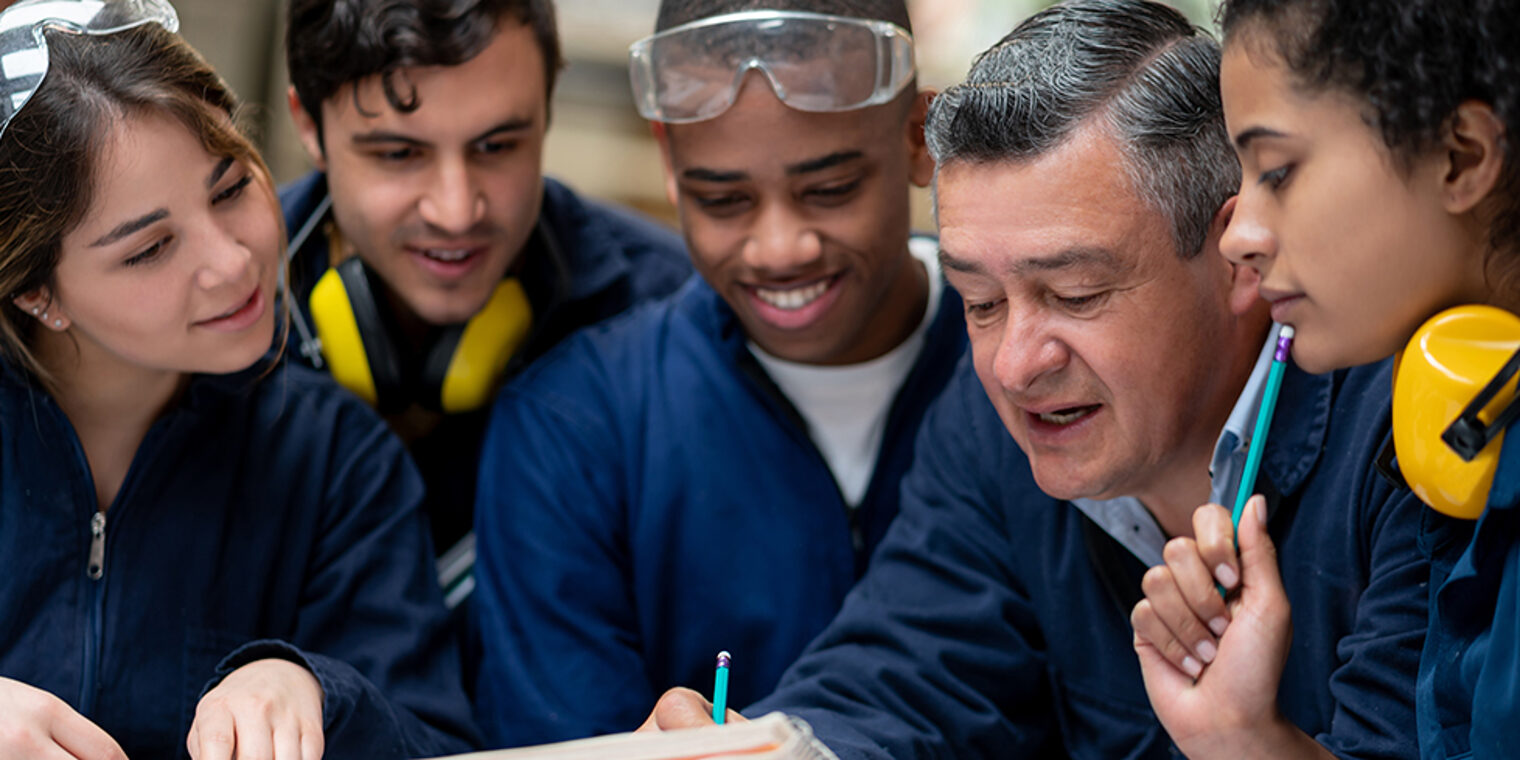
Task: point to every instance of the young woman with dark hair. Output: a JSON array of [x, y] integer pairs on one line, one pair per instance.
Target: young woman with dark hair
[[1380, 189], [205, 551]]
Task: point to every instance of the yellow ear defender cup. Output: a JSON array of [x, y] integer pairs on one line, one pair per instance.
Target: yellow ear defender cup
[[1453, 395], [461, 367], [352, 334], [478, 353]]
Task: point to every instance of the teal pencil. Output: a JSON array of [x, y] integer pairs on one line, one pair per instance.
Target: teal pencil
[[1259, 435], [1263, 423], [720, 689]]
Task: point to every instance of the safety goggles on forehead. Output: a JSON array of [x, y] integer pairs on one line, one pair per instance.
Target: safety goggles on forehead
[[23, 46], [814, 62]]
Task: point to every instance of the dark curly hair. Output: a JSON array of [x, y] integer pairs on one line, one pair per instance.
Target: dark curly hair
[[1412, 61], [331, 43]]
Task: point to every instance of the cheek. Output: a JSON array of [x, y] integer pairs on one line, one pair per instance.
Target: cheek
[[511, 187], [710, 244], [371, 205]]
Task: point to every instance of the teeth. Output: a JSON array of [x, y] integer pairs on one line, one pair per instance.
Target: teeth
[[1066, 418], [794, 299], [450, 256]]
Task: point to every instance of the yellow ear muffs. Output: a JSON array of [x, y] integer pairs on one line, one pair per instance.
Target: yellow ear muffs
[[1453, 395], [353, 335], [477, 354], [458, 372]]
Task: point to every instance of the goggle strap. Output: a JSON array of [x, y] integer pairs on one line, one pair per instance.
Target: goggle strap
[[1467, 435]]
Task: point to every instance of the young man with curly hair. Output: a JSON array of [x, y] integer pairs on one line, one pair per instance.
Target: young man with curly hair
[[430, 256]]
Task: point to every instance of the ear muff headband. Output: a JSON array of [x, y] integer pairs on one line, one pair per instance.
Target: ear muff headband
[[1453, 394]]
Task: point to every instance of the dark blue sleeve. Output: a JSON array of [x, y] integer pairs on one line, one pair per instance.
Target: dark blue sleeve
[[1373, 687], [371, 625], [560, 643], [936, 651]]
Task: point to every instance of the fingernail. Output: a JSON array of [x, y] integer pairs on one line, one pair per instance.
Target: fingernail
[[1218, 625], [1226, 576], [1206, 651], [1261, 509], [1191, 666]]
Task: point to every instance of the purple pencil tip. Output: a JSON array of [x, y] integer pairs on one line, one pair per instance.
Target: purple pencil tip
[[723, 658], [1284, 343]]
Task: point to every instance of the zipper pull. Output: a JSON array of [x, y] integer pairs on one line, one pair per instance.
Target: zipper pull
[[97, 546]]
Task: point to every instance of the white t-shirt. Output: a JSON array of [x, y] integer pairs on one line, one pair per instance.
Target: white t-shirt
[[846, 408]]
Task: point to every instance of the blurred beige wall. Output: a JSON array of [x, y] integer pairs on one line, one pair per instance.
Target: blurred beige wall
[[597, 142]]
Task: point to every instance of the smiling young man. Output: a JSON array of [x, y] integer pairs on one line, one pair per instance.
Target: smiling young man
[[1117, 362], [712, 471], [430, 256]]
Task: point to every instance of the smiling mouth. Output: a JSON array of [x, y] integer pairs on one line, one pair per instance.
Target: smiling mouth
[[1068, 415], [234, 310], [446, 255], [792, 299]]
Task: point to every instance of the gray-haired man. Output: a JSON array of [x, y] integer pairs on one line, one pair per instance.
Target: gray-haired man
[[1083, 182]]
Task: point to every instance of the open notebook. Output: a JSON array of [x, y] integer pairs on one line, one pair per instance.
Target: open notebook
[[773, 737]]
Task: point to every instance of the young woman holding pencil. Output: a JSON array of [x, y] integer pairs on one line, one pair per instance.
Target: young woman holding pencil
[[1381, 188]]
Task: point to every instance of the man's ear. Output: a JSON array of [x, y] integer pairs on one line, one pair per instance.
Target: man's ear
[[306, 129], [1474, 146], [662, 138], [921, 164], [1245, 280]]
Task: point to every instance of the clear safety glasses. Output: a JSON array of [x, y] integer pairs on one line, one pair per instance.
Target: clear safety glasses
[[814, 62], [23, 46]]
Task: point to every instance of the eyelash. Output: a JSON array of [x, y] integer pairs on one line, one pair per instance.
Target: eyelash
[[1079, 303], [148, 255], [232, 192], [1275, 178], [835, 192]]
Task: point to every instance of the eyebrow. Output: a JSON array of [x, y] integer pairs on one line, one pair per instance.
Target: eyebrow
[[948, 260], [218, 172], [382, 136], [1245, 138], [127, 228], [1069, 258], [802, 167], [826, 162]]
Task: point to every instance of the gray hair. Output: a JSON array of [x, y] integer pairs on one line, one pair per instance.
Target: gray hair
[[1150, 76]]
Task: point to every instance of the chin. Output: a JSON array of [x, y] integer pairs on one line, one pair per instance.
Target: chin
[[1061, 485], [1317, 359]]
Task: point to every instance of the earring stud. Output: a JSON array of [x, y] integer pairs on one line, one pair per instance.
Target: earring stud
[[36, 310], [58, 323]]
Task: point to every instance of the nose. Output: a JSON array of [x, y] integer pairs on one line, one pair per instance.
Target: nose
[[451, 200], [1247, 239], [782, 244], [225, 260], [1027, 353]]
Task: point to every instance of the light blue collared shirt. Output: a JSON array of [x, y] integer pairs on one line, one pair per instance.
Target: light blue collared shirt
[[1133, 526]]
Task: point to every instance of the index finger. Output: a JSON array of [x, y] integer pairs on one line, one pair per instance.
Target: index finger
[[82, 739], [212, 736], [1214, 533]]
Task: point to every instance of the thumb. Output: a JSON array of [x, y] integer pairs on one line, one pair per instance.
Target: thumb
[[679, 708], [1258, 555]]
